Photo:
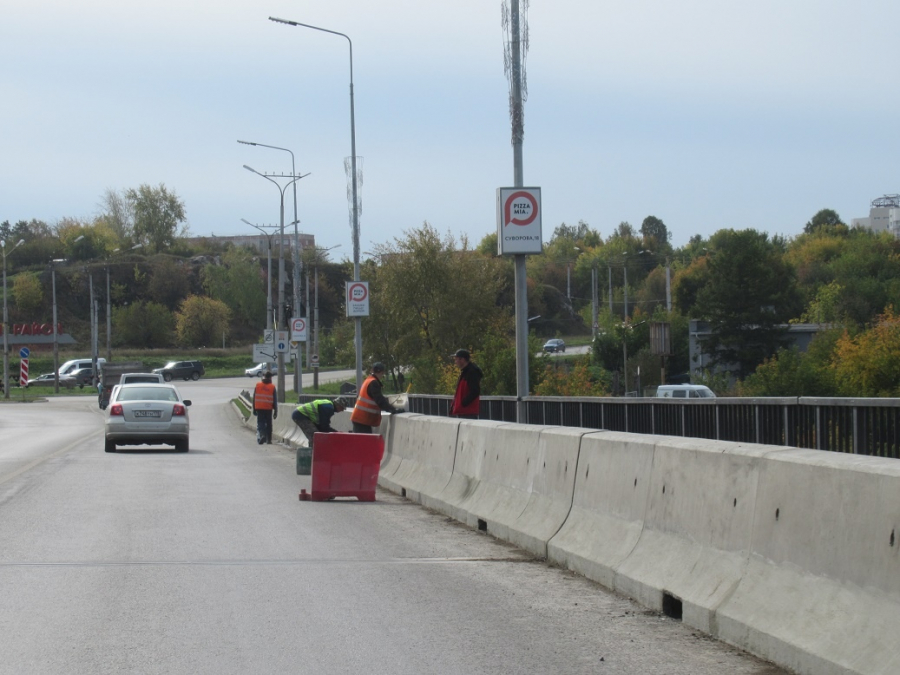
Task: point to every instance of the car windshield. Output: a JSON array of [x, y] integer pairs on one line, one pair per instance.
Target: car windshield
[[147, 394], [171, 364]]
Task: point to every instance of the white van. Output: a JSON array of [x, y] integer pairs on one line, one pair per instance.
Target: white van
[[70, 367], [684, 391]]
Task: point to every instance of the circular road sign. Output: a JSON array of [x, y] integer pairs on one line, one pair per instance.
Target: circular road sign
[[24, 352]]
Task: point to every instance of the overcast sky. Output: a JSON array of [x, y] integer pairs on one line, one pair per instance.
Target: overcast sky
[[708, 114]]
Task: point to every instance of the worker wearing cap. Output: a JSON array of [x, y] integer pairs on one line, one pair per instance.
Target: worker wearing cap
[[315, 416], [265, 408], [467, 401], [370, 402]]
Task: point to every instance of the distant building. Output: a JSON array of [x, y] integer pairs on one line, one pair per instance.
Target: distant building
[[884, 215], [261, 242]]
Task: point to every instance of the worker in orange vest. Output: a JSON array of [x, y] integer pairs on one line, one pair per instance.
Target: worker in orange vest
[[370, 402], [265, 408]]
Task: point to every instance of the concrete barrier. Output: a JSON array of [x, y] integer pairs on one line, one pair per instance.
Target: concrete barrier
[[695, 541], [609, 504], [551, 489], [423, 451], [821, 593]]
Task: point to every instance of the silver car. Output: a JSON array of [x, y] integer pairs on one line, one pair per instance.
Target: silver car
[[147, 414]]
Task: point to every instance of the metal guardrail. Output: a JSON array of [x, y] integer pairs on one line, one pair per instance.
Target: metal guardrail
[[863, 426]]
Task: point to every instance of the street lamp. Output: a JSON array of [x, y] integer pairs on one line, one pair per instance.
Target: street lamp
[[354, 189], [268, 272], [298, 372], [6, 320], [281, 190]]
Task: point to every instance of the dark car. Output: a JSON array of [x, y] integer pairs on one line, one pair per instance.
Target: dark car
[[555, 345], [186, 370]]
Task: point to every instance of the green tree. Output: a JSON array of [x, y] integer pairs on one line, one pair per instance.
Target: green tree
[[28, 292], [868, 364], [827, 218], [655, 233], [744, 293], [157, 215], [430, 295], [201, 321], [169, 283], [143, 325], [239, 283]]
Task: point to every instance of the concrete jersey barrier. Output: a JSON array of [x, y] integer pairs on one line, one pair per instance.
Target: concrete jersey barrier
[[792, 555]]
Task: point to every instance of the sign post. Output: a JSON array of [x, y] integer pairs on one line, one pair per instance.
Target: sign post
[[23, 369]]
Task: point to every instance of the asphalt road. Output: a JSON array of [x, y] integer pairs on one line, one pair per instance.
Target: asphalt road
[[151, 561]]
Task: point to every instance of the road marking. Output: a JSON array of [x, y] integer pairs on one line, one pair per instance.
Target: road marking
[[279, 563]]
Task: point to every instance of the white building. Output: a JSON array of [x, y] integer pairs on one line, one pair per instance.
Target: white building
[[884, 215]]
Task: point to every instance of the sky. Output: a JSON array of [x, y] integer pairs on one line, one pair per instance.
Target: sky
[[707, 114]]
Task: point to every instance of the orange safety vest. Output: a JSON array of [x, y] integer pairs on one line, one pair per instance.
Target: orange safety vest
[[264, 396], [366, 410]]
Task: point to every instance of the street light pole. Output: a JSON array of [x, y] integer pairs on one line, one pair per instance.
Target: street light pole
[[354, 189], [281, 190], [6, 320], [109, 307], [298, 370], [268, 271]]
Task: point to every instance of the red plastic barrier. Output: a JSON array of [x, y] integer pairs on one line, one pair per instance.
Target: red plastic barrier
[[345, 465]]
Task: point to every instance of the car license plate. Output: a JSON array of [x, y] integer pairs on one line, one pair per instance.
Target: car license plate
[[146, 413]]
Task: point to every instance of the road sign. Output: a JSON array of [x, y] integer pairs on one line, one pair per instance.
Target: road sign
[[263, 353], [24, 353], [269, 336], [23, 371], [298, 330], [314, 360], [357, 298], [282, 340]]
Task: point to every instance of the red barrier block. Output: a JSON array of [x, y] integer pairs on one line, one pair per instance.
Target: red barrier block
[[345, 465]]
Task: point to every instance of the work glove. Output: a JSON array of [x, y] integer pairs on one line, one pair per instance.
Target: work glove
[[398, 410], [275, 415], [254, 413]]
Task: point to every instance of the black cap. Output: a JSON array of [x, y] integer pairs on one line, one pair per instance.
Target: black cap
[[378, 367], [463, 354]]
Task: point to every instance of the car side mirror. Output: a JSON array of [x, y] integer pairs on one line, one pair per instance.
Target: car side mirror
[[186, 402]]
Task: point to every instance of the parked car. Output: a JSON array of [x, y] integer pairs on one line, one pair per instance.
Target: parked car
[[555, 345], [684, 391], [147, 414], [48, 380], [258, 369], [186, 370]]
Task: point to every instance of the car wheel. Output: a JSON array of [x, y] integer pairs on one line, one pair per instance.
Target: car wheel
[[182, 446], [195, 376], [167, 377], [109, 446]]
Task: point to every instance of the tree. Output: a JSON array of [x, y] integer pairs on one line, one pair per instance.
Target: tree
[[745, 293], [157, 215], [117, 213], [169, 282], [825, 218], [430, 295], [869, 363], [239, 284], [27, 292], [201, 321], [143, 325], [656, 235]]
